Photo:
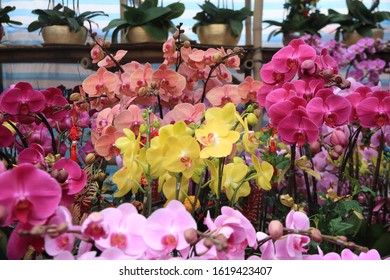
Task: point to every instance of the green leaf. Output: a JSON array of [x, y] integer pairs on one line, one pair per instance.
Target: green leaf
[[73, 24], [115, 23], [154, 13], [157, 32], [236, 27], [177, 9], [35, 25], [338, 227]]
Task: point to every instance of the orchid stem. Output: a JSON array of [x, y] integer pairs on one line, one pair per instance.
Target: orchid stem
[[292, 187], [219, 190], [376, 176]]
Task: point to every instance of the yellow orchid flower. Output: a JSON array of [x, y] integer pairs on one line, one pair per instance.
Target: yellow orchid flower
[[155, 157], [127, 180], [216, 138], [122, 143], [232, 181], [248, 138], [226, 114], [182, 155], [264, 171], [169, 184]]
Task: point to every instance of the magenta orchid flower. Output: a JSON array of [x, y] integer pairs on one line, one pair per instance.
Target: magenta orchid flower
[[329, 109], [18, 245], [73, 181], [22, 99], [297, 128], [55, 104], [29, 194], [374, 111], [289, 58]]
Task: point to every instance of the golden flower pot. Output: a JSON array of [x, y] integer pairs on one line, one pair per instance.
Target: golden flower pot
[[61, 34], [216, 34], [138, 34]]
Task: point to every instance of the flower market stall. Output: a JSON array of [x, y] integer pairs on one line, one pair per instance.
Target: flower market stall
[[178, 161]]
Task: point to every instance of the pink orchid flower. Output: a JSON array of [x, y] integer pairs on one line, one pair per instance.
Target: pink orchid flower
[[248, 89], [329, 109], [185, 112], [130, 118], [220, 96], [107, 62], [102, 82], [169, 82], [164, 229], [297, 128], [29, 194], [374, 111], [141, 78], [169, 48], [236, 228], [97, 53], [105, 144], [196, 59], [123, 234], [22, 99], [65, 241]]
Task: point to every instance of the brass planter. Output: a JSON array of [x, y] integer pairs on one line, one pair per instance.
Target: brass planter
[[61, 34], [138, 34], [216, 34], [352, 38]]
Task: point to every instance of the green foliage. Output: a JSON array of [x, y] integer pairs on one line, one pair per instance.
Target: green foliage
[[342, 217], [5, 18], [212, 14], [303, 18], [359, 18], [61, 15], [156, 20]]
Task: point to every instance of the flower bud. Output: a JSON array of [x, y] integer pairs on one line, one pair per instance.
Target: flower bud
[[275, 229], [315, 148], [208, 243], [217, 57], [90, 158], [221, 243], [62, 176], [252, 119], [338, 137], [190, 235], [74, 97], [3, 214], [338, 79], [186, 44], [101, 176], [334, 155], [338, 149], [143, 128], [316, 235]]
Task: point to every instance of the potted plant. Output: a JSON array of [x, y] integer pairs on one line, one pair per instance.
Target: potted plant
[[359, 22], [219, 26], [5, 18], [62, 25], [302, 18], [145, 22]]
